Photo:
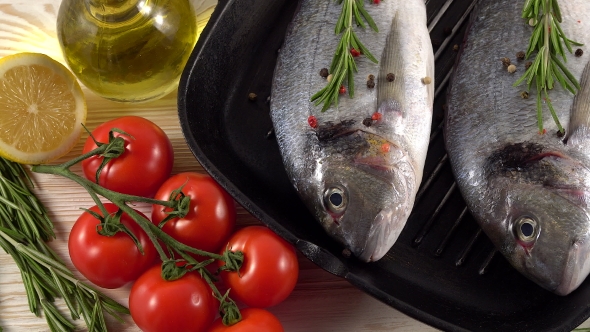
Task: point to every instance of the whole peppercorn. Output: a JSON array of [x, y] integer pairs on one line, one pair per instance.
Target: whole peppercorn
[[367, 122], [560, 134], [376, 116], [390, 77], [528, 64], [312, 121], [511, 69], [520, 55], [505, 62], [524, 95], [371, 77], [324, 72], [579, 52], [370, 84]]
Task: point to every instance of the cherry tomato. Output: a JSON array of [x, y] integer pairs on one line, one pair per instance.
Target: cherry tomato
[[253, 320], [211, 216], [270, 269], [144, 165], [109, 261], [185, 304]]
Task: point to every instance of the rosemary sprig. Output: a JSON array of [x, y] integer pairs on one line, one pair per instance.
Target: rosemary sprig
[[548, 41], [24, 228], [343, 63]]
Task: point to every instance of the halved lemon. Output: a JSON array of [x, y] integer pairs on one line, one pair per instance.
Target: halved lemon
[[42, 108]]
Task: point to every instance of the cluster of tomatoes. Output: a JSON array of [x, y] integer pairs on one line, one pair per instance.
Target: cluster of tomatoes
[[267, 276]]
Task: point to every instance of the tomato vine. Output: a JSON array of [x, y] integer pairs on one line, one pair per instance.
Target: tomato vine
[[176, 257]]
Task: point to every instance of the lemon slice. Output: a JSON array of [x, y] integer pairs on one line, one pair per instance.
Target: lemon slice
[[42, 108]]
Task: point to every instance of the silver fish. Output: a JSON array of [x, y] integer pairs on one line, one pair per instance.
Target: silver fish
[[529, 191], [357, 176]]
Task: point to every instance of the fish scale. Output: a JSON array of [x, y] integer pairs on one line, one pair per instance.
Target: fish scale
[[374, 169]]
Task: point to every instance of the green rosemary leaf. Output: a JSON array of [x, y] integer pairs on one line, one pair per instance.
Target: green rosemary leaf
[[66, 294], [357, 16], [363, 49], [366, 16], [555, 41], [560, 78], [534, 39], [354, 42], [553, 114], [556, 10], [351, 70], [528, 5], [539, 110], [85, 305], [575, 43], [55, 318], [566, 72], [7, 202]]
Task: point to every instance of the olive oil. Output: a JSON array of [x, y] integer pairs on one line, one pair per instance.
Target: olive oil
[[127, 50]]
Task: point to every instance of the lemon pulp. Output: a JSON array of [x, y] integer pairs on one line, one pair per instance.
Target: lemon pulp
[[42, 108]]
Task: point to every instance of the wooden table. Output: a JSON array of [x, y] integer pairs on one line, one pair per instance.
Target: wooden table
[[320, 301]]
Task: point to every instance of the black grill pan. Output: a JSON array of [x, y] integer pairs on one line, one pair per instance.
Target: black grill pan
[[443, 270]]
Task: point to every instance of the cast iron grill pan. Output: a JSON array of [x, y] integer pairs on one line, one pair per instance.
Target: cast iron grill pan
[[443, 270]]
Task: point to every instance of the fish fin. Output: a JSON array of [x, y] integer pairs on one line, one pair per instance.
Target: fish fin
[[390, 93], [579, 126]]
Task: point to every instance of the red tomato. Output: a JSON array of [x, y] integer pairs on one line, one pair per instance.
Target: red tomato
[[185, 304], [109, 261], [270, 269], [144, 165], [253, 320], [211, 216]]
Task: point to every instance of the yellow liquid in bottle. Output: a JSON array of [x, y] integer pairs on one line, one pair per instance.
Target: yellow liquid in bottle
[[127, 50]]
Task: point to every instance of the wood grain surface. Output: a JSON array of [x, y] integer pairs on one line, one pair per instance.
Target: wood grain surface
[[320, 301]]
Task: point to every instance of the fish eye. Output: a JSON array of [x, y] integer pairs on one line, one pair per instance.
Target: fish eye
[[526, 229], [335, 200]]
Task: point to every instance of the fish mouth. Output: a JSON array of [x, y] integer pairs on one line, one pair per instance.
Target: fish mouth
[[579, 269], [385, 229]]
